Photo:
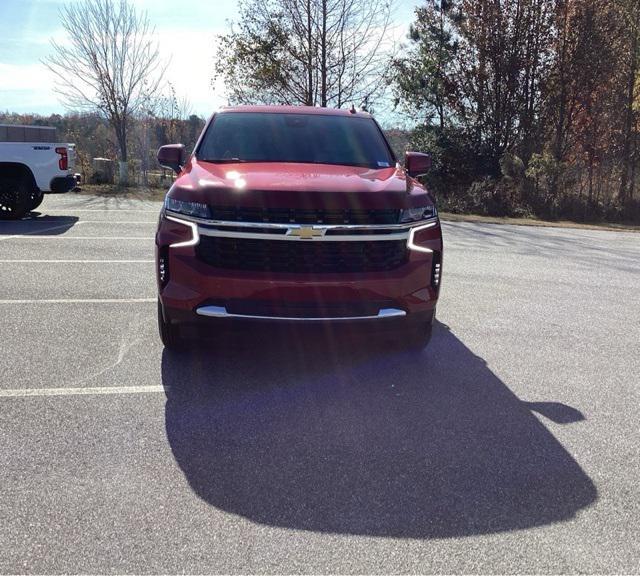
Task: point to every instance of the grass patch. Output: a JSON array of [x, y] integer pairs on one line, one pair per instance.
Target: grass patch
[[128, 192]]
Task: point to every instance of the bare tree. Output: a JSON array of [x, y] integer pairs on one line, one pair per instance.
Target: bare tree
[[313, 52], [110, 63], [167, 113]]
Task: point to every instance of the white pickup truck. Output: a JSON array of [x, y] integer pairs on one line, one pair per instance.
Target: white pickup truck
[[32, 164]]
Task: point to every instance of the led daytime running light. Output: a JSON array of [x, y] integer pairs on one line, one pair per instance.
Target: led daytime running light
[[412, 245], [194, 232]]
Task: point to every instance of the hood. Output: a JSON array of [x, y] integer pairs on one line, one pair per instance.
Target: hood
[[289, 185]]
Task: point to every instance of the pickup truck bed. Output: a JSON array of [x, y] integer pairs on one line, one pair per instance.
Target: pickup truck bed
[[32, 163]]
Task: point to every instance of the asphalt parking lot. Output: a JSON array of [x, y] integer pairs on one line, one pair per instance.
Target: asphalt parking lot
[[511, 444]]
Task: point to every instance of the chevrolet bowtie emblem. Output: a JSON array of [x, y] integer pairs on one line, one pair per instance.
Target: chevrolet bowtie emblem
[[306, 232]]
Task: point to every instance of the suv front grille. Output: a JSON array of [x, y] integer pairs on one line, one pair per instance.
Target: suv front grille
[[302, 256], [304, 216]]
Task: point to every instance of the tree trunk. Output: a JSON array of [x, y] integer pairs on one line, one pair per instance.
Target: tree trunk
[[628, 124], [440, 103], [309, 101], [558, 145], [123, 171], [634, 162], [323, 56], [144, 164]]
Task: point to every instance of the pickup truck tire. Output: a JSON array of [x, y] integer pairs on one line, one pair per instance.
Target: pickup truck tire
[[36, 199], [15, 197], [169, 333]]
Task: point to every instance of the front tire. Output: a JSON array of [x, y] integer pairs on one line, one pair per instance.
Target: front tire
[[420, 336], [15, 198], [169, 333], [419, 333]]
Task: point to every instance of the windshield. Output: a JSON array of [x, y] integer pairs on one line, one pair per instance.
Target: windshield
[[302, 138]]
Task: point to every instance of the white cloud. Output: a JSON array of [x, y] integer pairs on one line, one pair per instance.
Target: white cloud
[[190, 69], [30, 87], [21, 77]]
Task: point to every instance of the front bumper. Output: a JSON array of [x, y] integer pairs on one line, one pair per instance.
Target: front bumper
[[198, 292]]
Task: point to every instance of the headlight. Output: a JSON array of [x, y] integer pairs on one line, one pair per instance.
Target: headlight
[[195, 209], [417, 214]]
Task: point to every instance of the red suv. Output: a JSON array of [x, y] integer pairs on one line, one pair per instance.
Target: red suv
[[296, 214]]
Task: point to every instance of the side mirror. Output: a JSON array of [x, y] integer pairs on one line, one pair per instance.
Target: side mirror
[[417, 163], [172, 156]]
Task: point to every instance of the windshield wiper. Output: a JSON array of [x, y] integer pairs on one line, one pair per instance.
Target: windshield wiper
[[224, 160], [351, 164], [264, 161]]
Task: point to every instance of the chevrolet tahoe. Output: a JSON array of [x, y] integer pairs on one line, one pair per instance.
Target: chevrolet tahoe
[[296, 214]]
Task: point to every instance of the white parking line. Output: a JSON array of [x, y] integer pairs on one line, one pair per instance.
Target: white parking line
[[77, 261], [102, 210], [82, 301], [31, 392], [93, 222], [53, 237]]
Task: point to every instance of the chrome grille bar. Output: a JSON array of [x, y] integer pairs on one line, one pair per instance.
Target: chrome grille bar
[[221, 312], [326, 238], [277, 226]]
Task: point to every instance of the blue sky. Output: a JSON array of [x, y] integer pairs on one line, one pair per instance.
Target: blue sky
[[186, 31]]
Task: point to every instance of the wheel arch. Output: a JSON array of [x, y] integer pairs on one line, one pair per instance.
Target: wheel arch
[[17, 170]]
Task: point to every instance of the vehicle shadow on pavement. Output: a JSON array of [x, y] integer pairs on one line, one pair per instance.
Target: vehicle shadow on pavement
[[348, 434], [37, 225]]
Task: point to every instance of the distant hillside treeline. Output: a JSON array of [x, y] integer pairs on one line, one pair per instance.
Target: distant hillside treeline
[[95, 139]]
